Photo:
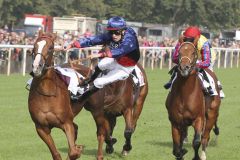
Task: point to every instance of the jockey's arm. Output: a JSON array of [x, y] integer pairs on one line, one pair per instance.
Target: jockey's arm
[[176, 53], [205, 56], [91, 41]]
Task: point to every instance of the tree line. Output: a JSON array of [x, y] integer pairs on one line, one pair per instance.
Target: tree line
[[214, 15]]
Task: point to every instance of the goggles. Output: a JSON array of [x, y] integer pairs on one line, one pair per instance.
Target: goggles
[[116, 32]]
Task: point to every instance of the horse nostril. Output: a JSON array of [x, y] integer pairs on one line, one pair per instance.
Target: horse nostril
[[187, 67]]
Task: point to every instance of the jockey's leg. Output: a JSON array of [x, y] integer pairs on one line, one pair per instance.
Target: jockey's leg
[[173, 72], [104, 64], [95, 74], [221, 93], [205, 78]]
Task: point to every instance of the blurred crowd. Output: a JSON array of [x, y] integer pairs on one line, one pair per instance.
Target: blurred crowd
[[20, 38]]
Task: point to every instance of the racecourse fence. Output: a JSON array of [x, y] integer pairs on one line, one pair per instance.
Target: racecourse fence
[[18, 59]]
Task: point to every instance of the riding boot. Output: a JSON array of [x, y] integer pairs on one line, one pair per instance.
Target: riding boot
[[86, 81], [31, 74], [92, 89], [169, 83], [209, 89]]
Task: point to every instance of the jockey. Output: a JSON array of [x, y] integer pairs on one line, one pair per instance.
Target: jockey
[[205, 53], [119, 60]]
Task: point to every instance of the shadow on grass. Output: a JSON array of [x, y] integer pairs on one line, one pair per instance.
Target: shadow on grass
[[167, 144], [93, 152]]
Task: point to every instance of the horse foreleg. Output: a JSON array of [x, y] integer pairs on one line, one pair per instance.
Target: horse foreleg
[[139, 105], [74, 151], [128, 131], [75, 131], [210, 122], [45, 134], [198, 128], [103, 132], [177, 137]]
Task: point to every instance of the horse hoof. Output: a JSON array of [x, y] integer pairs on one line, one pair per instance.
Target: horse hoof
[[109, 149], [125, 153], [114, 140]]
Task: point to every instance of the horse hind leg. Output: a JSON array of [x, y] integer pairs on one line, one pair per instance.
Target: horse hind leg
[[128, 132], [74, 150], [45, 134], [110, 142]]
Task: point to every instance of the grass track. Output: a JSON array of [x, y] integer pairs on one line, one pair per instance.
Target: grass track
[[151, 141]]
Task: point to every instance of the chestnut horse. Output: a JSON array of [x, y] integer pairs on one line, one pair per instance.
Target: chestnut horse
[[120, 98], [50, 105], [187, 105], [49, 101]]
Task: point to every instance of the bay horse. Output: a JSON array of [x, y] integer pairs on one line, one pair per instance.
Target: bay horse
[[188, 106], [49, 101], [120, 98]]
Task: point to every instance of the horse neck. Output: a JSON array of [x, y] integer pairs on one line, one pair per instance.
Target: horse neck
[[189, 82]]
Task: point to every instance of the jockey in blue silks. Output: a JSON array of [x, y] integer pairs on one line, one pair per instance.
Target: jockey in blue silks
[[119, 61]]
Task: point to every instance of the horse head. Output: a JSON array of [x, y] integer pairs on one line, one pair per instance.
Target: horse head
[[187, 58], [43, 49]]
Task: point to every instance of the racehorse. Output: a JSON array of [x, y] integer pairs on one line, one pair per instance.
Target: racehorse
[[187, 105], [120, 98], [49, 101], [50, 105]]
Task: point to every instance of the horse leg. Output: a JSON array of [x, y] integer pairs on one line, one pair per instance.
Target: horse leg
[[177, 136], [210, 122], [128, 131], [103, 132], [45, 134], [74, 152], [75, 131], [112, 121], [185, 135], [198, 128], [139, 105]]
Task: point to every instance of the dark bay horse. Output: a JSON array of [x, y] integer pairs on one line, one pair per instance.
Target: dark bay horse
[[188, 106], [49, 103], [120, 98]]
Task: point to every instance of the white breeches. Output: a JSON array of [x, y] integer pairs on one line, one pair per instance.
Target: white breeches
[[115, 72]]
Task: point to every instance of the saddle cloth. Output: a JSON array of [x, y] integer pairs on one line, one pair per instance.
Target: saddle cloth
[[205, 84], [70, 77], [138, 77]]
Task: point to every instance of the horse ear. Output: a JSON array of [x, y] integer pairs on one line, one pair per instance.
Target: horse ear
[[181, 39], [54, 36], [40, 33]]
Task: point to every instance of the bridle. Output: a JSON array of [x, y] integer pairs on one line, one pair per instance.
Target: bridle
[[192, 61], [43, 62]]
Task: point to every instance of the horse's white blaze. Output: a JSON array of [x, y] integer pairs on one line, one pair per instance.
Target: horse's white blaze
[[36, 62], [37, 59], [203, 156], [41, 44]]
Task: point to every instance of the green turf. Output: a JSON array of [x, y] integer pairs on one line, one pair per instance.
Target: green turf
[[151, 141]]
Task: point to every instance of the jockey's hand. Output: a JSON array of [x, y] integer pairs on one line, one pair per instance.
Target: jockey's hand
[[93, 56], [66, 48]]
